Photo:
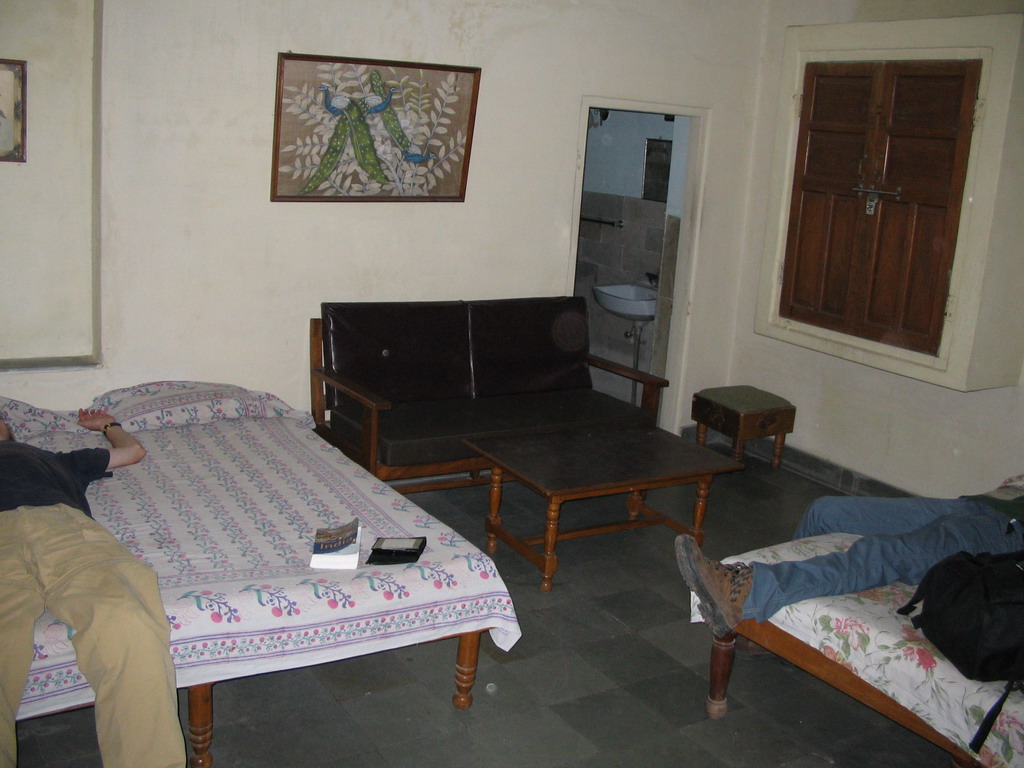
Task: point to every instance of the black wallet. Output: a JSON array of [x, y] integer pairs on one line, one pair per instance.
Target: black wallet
[[394, 551]]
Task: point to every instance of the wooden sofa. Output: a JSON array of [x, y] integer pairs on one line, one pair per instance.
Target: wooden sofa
[[398, 386], [858, 644]]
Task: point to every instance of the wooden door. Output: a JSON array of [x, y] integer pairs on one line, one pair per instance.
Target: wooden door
[[880, 167]]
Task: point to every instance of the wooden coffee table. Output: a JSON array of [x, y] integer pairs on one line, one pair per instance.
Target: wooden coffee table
[[564, 464]]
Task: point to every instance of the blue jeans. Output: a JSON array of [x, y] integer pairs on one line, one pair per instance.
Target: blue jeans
[[901, 539]]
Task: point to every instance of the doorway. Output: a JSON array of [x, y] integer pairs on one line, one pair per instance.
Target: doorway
[[633, 232]]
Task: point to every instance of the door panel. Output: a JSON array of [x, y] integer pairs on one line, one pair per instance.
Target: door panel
[[880, 167], [928, 281], [920, 166], [884, 298], [820, 280]]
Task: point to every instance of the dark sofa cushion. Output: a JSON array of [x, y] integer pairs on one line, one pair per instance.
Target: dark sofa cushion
[[428, 432], [528, 345], [401, 350]]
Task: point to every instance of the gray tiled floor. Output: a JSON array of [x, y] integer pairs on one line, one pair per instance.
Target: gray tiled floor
[[609, 672]]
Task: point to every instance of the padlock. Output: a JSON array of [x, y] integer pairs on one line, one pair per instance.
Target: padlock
[[870, 202]]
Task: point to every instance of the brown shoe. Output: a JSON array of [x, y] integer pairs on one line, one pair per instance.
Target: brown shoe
[[721, 589]]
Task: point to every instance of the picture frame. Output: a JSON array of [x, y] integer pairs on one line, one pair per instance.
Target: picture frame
[[13, 130], [369, 130]]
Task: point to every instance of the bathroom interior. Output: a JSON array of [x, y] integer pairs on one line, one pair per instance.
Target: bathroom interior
[[631, 232]]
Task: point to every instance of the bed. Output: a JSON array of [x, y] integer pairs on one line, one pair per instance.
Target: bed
[[860, 645], [223, 508]]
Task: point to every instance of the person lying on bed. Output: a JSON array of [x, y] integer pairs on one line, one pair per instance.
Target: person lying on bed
[[54, 556], [900, 540]]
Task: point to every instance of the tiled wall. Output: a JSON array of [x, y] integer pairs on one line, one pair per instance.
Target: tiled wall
[[608, 255]]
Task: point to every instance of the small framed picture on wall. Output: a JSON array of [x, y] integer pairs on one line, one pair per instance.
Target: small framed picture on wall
[[12, 111]]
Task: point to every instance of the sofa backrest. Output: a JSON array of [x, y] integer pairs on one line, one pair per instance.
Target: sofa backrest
[[405, 351], [528, 345], [439, 350]]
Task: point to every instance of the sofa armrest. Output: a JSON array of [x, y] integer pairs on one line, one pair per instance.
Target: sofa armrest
[[320, 379], [650, 398], [625, 370], [366, 452], [352, 389]]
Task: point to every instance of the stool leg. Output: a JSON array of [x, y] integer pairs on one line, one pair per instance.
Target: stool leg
[[702, 433], [737, 449], [780, 442]]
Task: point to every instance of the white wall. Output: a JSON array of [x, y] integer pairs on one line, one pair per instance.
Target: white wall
[[204, 278], [922, 437], [46, 203]]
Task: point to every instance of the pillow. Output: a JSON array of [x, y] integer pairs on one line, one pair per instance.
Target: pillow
[[26, 420], [179, 403]]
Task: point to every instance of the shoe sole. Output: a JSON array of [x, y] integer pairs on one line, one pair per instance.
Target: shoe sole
[[687, 552]]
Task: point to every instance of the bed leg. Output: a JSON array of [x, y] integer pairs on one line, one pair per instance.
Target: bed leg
[[722, 653], [200, 724], [465, 669]]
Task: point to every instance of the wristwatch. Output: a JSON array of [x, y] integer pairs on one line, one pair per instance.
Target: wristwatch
[[111, 424]]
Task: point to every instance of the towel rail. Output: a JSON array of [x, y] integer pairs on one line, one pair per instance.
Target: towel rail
[[610, 222]]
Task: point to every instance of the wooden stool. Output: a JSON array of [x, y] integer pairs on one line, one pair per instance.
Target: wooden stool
[[742, 413]]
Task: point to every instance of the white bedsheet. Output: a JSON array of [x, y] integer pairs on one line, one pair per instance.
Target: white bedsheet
[[224, 511], [863, 632]]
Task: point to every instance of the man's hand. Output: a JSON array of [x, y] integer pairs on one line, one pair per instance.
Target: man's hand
[[124, 449], [95, 420]]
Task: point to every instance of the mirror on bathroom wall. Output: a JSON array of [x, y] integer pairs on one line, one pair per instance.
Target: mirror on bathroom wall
[[657, 164]]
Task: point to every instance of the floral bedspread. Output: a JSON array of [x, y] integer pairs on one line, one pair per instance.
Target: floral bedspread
[[223, 508], [863, 632]]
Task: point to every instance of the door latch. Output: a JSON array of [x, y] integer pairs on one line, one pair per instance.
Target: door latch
[[873, 195], [870, 203]]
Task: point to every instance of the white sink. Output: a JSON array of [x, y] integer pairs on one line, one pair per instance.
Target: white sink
[[631, 301]]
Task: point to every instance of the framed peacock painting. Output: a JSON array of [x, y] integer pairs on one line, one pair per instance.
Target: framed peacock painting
[[365, 130], [12, 111]]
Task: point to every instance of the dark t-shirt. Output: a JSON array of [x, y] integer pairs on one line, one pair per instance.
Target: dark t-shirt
[[32, 477]]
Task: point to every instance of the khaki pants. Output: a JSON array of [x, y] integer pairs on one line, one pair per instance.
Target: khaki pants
[[59, 559]]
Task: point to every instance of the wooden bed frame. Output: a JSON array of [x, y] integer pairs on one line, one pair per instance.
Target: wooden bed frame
[[197, 681], [200, 699], [809, 659]]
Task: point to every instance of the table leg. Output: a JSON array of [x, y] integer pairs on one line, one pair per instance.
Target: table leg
[[493, 518], [635, 503], [700, 506], [550, 539]]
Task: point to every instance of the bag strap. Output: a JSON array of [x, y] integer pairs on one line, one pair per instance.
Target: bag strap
[[907, 609], [990, 718]]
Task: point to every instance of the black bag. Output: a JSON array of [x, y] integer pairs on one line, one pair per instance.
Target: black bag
[[972, 610]]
